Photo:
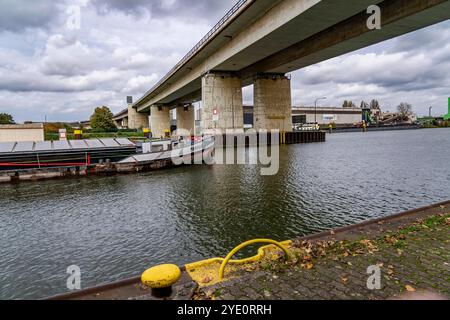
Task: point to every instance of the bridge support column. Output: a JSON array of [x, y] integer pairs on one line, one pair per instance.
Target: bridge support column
[[186, 118], [137, 120], [159, 121], [272, 102], [222, 102], [122, 123]]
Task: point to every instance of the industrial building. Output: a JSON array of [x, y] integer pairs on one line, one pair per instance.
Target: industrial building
[[320, 115], [327, 115], [21, 132]]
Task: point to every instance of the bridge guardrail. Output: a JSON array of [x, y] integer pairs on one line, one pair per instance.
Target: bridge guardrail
[[199, 44]]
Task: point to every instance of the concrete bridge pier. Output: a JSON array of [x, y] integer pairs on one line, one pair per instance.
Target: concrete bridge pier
[[159, 121], [222, 102], [124, 123], [186, 118], [136, 120], [272, 102]]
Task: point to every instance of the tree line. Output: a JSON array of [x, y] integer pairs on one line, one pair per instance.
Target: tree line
[[101, 119], [374, 104], [403, 108]]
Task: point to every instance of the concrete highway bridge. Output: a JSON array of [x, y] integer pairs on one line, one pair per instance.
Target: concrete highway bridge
[[259, 42]]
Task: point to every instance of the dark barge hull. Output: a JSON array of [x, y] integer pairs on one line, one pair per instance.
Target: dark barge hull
[[65, 157]]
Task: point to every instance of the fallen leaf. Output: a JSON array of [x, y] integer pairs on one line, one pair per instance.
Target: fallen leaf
[[344, 280], [250, 268], [309, 266], [209, 294], [410, 289], [207, 280]]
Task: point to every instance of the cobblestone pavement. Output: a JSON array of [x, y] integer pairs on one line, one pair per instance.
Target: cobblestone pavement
[[415, 257]]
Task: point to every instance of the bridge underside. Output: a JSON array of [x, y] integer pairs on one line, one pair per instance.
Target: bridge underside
[[288, 36]]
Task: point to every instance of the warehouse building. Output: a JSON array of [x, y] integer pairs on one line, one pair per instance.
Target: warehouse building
[[327, 115], [321, 115]]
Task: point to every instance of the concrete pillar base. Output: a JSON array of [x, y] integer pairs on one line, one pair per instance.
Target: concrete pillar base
[[137, 120], [159, 121], [186, 118], [272, 103], [222, 102]]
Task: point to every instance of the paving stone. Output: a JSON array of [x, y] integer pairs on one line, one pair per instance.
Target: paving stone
[[423, 264]]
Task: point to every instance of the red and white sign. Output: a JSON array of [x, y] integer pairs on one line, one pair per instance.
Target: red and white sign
[[62, 134], [215, 115]]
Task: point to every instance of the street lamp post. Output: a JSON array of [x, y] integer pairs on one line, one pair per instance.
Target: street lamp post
[[315, 109]]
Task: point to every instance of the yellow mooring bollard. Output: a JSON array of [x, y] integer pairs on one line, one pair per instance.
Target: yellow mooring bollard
[[283, 137], [246, 244], [161, 279]]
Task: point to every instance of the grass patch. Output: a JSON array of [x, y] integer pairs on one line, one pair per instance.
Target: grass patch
[[217, 293]]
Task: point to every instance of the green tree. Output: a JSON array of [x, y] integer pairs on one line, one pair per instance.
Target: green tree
[[6, 118], [102, 120]]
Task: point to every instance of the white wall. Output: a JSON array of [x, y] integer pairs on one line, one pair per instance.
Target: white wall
[[19, 133]]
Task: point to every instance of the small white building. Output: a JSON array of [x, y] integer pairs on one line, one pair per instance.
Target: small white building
[[21, 132]]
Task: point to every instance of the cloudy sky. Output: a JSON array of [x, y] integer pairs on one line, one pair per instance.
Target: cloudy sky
[[50, 67]]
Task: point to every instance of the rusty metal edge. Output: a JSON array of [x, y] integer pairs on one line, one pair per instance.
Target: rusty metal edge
[[135, 280]]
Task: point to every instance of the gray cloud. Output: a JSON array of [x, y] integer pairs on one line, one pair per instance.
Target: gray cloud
[[17, 15], [201, 9]]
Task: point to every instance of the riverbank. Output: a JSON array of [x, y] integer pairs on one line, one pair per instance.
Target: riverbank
[[378, 128], [410, 249]]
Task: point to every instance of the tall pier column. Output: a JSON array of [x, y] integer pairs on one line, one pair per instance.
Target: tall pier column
[[222, 102], [159, 121], [272, 102], [137, 120], [186, 118]]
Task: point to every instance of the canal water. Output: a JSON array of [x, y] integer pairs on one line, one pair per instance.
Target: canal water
[[116, 227]]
